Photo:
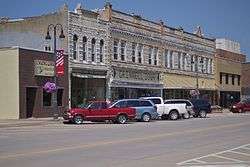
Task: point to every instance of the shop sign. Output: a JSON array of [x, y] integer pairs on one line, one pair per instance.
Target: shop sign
[[137, 75], [44, 68]]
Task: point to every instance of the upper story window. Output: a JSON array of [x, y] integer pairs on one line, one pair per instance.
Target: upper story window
[[166, 58], [139, 53], [238, 76], [171, 59], [201, 64], [133, 52], [123, 47], [211, 66], [115, 49], [226, 78], [101, 50], [221, 77], [47, 48], [196, 63], [75, 38], [192, 63], [233, 79], [206, 65], [150, 52], [155, 55], [84, 48], [183, 61], [93, 49], [179, 60]]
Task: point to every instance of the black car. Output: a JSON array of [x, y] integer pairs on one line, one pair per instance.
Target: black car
[[201, 107]]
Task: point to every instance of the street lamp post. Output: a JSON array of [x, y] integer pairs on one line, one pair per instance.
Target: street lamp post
[[48, 37], [197, 75]]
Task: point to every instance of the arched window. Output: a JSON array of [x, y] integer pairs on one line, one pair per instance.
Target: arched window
[[84, 48], [101, 50], [93, 49], [75, 38]]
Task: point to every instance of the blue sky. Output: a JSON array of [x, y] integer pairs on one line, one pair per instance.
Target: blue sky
[[219, 18]]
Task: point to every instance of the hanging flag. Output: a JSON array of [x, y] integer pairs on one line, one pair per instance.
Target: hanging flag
[[59, 62]]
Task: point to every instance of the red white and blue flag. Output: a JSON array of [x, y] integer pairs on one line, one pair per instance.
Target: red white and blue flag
[[59, 62]]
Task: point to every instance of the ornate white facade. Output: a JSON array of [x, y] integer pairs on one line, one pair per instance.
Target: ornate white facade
[[136, 54]]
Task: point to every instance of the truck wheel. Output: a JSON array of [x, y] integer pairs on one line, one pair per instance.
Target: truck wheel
[[78, 119], [173, 115], [186, 115], [146, 117], [203, 114], [122, 119]]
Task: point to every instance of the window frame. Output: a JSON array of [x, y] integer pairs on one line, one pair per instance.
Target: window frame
[[115, 49]]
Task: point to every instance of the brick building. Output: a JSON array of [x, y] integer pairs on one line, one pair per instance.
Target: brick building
[[245, 83], [228, 70], [23, 73]]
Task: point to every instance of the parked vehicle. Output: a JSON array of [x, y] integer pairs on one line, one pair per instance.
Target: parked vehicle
[[189, 106], [242, 106], [201, 107], [145, 109], [100, 111], [169, 110]]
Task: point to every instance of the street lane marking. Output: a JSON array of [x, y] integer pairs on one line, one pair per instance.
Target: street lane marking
[[184, 163], [139, 139], [223, 157], [200, 161], [237, 152]]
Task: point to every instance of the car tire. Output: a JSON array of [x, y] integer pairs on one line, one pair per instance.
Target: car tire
[[78, 119], [241, 111], [122, 119], [202, 114], [186, 115], [173, 115], [146, 117]]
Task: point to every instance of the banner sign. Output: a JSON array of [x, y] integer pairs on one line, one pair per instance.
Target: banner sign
[[59, 62], [44, 68]]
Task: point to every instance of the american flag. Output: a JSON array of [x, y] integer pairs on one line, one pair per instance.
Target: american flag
[[59, 62]]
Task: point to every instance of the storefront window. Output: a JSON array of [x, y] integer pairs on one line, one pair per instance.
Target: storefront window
[[46, 98]]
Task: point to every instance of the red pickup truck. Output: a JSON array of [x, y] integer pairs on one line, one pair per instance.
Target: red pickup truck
[[99, 111]]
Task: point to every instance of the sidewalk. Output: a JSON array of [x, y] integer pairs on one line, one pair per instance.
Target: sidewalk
[[6, 123]]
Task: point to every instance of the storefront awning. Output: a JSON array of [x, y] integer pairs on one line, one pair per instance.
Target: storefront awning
[[139, 85], [88, 76]]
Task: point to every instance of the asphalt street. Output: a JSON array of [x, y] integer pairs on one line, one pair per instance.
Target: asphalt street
[[219, 140]]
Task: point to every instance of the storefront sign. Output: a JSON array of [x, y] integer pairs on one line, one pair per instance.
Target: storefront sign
[[44, 68], [137, 75]]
